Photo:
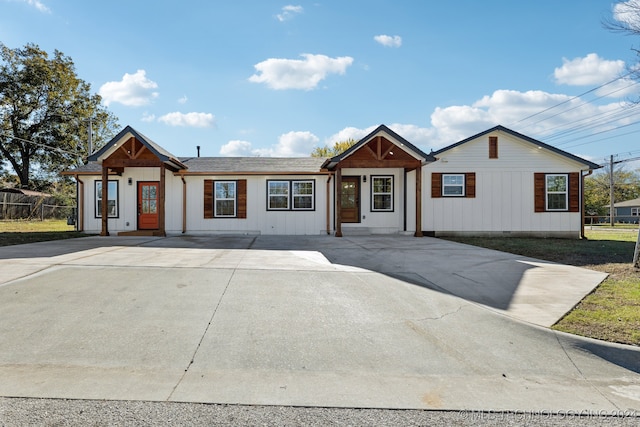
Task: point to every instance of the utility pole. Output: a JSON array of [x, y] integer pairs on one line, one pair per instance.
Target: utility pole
[[636, 254], [90, 139], [611, 199]]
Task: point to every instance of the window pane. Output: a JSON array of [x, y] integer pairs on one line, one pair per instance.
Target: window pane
[[556, 183], [278, 202], [145, 191], [382, 202], [225, 208], [302, 202], [557, 201], [145, 206], [225, 190], [302, 188], [152, 192], [453, 179], [277, 187], [452, 190]]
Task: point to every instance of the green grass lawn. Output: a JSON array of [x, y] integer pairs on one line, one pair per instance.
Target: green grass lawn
[[18, 232], [612, 311]]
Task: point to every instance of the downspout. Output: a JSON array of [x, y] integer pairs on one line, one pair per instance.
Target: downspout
[[329, 205], [184, 204], [582, 202], [80, 203], [404, 200]]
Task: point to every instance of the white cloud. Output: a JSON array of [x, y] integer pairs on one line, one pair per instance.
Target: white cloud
[[237, 148], [183, 100], [146, 117], [133, 90], [199, 120], [40, 6], [288, 12], [299, 73], [627, 14], [291, 144], [389, 41], [588, 71]]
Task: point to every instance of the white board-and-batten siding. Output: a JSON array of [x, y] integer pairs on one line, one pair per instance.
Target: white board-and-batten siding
[[259, 219], [504, 199]]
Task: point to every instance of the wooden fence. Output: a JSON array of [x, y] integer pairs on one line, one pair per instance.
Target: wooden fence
[[21, 206]]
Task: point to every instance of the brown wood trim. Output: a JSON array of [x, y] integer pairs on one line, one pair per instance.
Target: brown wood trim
[[270, 173], [105, 202], [538, 191], [418, 232], [242, 198], [161, 201], [493, 147], [328, 205], [184, 205], [208, 198], [137, 154], [80, 204], [338, 201], [574, 192], [436, 185], [470, 185]]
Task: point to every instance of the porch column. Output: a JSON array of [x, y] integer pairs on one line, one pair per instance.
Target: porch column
[[338, 202], [161, 200], [418, 232], [105, 201]]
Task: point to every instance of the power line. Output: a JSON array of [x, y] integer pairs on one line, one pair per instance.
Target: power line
[[41, 144], [569, 100]]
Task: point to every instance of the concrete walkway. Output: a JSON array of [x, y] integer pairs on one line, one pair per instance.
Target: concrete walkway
[[317, 321]]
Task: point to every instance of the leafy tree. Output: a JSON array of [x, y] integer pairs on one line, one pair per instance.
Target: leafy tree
[[44, 114], [626, 186], [337, 148]]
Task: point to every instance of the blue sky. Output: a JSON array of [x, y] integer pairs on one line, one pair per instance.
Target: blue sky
[[277, 78]]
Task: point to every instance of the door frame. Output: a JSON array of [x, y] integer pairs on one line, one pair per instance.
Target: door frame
[[357, 180], [138, 207]]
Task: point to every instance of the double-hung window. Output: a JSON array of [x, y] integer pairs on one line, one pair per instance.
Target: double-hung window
[[286, 195], [635, 211], [382, 193], [302, 195], [224, 199], [557, 192], [453, 185], [112, 199], [278, 195]]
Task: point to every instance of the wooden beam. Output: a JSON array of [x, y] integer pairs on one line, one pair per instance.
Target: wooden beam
[[418, 232], [105, 201], [386, 153], [184, 204], [161, 201], [379, 147], [329, 205], [339, 201], [370, 151], [142, 149]]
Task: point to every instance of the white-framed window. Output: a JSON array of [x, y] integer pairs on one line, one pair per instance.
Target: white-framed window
[[303, 195], [557, 192], [635, 211], [382, 193], [286, 195], [224, 199], [453, 185], [112, 199], [278, 195]]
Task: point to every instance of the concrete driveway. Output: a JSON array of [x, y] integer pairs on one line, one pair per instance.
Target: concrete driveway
[[374, 322]]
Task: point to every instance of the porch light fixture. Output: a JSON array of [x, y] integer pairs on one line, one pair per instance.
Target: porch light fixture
[[364, 178], [129, 181]]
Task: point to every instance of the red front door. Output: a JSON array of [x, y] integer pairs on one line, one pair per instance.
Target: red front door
[[148, 206]]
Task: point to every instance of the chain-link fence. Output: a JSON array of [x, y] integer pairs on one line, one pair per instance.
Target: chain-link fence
[[21, 206]]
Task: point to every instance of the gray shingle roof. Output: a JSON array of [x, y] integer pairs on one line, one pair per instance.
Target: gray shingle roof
[[213, 165]]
